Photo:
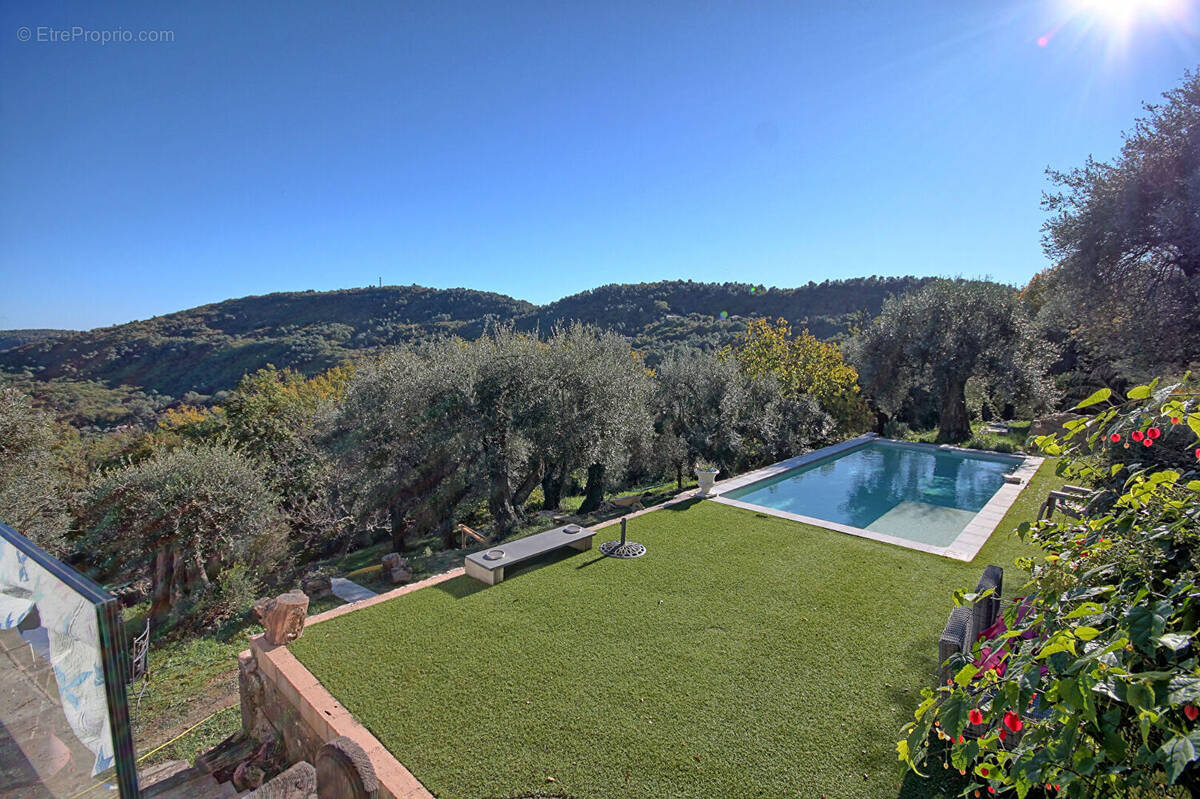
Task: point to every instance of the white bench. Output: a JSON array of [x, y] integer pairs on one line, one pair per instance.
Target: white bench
[[488, 566]]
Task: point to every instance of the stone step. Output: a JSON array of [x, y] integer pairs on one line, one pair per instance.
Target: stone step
[[161, 771], [193, 783]]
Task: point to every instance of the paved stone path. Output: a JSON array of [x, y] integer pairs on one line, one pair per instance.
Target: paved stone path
[[349, 591]]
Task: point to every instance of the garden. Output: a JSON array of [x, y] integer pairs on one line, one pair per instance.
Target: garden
[[743, 655]]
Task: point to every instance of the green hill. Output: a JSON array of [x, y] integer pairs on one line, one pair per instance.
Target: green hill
[[207, 349], [15, 338]]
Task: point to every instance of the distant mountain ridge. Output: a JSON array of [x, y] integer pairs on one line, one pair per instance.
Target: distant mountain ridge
[[207, 349], [15, 338]]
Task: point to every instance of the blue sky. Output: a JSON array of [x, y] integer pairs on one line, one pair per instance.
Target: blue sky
[[539, 149]]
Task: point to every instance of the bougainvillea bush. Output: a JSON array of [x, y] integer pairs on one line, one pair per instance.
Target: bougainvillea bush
[[1089, 683]]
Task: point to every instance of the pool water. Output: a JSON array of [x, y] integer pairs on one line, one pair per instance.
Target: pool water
[[921, 494]]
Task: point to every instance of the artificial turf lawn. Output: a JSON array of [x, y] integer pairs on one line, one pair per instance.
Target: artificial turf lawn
[[743, 656]]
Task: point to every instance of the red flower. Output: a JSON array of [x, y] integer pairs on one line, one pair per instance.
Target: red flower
[[1148, 442], [1198, 453], [1174, 420], [1013, 721], [1154, 432], [975, 717], [961, 740], [1137, 435], [1191, 712], [983, 770], [1003, 734], [1115, 437], [991, 789]]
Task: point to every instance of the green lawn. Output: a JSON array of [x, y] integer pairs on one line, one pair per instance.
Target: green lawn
[[744, 656]]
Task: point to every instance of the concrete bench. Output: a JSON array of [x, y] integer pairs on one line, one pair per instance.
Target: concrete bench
[[488, 565]]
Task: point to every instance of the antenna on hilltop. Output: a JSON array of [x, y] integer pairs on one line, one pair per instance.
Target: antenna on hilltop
[[380, 282]]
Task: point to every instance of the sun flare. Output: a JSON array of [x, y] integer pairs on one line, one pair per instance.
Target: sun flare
[[1123, 14]]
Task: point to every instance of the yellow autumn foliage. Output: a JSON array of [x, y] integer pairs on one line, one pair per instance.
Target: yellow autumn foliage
[[803, 364]]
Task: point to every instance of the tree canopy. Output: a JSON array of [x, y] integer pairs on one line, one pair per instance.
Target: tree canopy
[[803, 364], [938, 337], [192, 512], [32, 487], [1125, 237]]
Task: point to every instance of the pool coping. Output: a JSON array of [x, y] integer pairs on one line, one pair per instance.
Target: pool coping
[[964, 547]]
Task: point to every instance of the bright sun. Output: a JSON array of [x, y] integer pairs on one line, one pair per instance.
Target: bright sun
[[1122, 14]]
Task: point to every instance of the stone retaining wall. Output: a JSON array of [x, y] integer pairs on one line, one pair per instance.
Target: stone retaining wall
[[282, 699]]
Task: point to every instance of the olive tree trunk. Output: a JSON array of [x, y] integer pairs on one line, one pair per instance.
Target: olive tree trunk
[[593, 493], [953, 423], [553, 483]]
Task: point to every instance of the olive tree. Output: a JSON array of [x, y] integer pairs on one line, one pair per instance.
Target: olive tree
[[1125, 237], [938, 337], [700, 399], [405, 441], [430, 429], [32, 486], [186, 515], [595, 405], [424, 430]]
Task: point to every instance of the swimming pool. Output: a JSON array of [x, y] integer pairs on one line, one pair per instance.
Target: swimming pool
[[939, 499]]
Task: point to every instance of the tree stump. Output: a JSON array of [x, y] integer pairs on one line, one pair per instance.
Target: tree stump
[[344, 771], [283, 617], [397, 568]]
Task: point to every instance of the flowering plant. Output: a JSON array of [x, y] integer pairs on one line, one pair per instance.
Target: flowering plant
[[1089, 684]]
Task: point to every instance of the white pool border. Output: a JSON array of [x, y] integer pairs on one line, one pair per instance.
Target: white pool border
[[965, 547]]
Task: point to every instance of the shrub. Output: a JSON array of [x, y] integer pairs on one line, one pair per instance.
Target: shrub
[[229, 598], [1096, 666]]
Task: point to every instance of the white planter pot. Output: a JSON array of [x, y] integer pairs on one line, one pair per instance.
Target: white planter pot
[[706, 480]]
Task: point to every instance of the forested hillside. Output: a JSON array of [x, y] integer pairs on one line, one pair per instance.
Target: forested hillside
[[15, 338], [632, 308], [206, 350]]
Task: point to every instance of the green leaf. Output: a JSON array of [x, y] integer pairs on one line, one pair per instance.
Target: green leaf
[[1145, 623], [1174, 641], [1086, 609], [1182, 690], [954, 715], [1176, 754], [1062, 641], [1115, 747], [1194, 485], [1086, 633], [1098, 397], [966, 674], [1139, 392], [1139, 696], [1194, 423]]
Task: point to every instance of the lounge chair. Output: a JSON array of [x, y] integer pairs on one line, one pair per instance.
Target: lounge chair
[[1072, 501]]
